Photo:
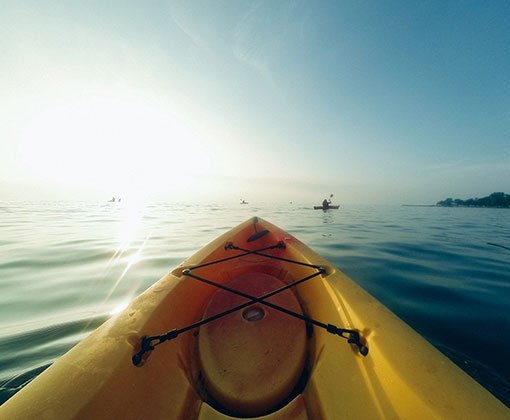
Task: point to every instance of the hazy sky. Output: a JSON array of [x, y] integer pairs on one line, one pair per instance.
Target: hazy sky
[[374, 101]]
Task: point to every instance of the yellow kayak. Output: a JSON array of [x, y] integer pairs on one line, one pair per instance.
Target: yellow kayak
[[255, 324]]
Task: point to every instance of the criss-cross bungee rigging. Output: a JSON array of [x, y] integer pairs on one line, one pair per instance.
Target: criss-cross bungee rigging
[[148, 343]]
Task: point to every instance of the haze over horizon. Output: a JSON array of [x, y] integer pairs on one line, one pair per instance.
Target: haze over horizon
[[374, 102]]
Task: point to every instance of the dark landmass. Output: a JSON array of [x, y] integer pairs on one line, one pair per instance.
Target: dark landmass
[[496, 199], [419, 205]]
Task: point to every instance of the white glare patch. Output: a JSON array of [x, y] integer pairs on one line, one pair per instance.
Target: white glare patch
[[119, 308]]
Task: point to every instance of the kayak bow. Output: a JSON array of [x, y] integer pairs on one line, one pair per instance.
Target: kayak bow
[[254, 324]]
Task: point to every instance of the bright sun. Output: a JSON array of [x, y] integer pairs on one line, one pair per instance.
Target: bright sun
[[117, 144]]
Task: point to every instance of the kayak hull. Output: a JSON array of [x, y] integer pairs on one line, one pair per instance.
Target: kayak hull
[[330, 207], [402, 376]]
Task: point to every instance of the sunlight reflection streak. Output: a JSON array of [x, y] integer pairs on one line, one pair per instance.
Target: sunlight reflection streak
[[131, 217], [132, 260]]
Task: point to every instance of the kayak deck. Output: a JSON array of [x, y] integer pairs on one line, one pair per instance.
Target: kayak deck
[[256, 361]]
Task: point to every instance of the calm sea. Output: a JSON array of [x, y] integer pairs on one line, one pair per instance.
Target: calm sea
[[66, 267]]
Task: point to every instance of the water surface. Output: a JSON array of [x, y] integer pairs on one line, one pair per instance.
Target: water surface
[[66, 267]]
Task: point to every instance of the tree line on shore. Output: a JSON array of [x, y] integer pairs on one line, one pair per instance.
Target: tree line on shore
[[496, 199]]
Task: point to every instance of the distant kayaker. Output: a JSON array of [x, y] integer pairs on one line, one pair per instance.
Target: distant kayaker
[[327, 202]]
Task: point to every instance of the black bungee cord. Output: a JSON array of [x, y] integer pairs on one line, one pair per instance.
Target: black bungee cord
[[148, 343]]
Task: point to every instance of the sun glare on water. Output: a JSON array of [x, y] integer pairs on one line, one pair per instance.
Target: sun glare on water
[[130, 223], [130, 246]]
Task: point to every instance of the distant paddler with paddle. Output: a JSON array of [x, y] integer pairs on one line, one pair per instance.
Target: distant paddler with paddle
[[327, 202]]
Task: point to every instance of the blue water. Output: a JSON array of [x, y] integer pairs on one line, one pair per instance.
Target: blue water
[[66, 267]]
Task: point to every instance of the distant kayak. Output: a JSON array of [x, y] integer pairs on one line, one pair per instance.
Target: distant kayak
[[335, 207], [254, 324]]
